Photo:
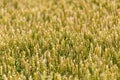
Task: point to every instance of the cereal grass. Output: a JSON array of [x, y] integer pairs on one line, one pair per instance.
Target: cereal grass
[[59, 40]]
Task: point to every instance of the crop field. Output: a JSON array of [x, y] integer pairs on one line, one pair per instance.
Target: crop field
[[59, 39]]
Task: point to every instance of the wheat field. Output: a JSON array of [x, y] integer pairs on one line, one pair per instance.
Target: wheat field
[[59, 39]]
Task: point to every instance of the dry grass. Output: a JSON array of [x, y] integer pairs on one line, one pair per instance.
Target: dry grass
[[59, 40]]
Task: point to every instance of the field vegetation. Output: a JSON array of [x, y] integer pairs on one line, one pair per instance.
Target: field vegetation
[[59, 39]]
